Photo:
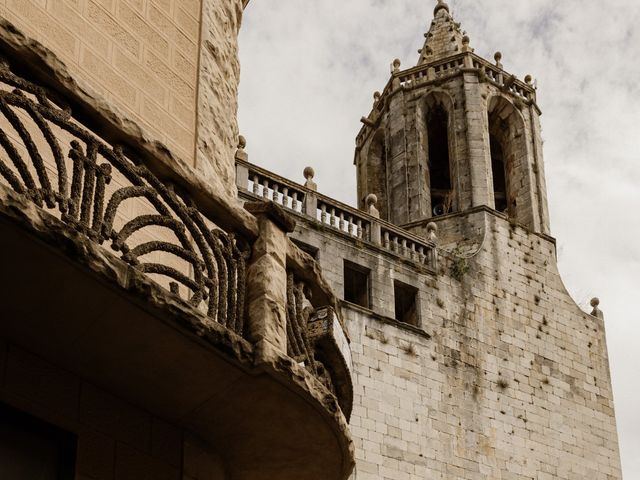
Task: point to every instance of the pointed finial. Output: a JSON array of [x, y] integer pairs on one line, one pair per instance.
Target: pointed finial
[[240, 153], [441, 6], [465, 44], [309, 173], [432, 232], [498, 57], [371, 202], [595, 303]]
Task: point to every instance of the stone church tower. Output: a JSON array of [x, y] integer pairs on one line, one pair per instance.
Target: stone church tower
[[452, 133]]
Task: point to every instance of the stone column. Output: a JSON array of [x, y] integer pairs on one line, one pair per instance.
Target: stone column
[[397, 188], [267, 281], [310, 206], [478, 152]]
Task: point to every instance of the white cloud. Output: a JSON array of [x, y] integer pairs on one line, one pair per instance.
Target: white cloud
[[309, 70]]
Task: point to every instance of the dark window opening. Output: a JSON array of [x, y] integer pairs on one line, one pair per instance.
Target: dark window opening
[[306, 248], [499, 174], [439, 166], [356, 284], [32, 449], [406, 303]]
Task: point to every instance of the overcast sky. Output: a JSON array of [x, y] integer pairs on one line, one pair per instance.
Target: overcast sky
[[309, 69]]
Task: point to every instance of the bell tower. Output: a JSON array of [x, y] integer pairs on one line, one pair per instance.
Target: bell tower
[[452, 133]]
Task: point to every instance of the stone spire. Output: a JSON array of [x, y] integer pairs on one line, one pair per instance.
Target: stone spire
[[444, 38]]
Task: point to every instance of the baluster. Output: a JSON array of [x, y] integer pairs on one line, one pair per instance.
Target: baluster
[[323, 213], [396, 244], [413, 251], [421, 255], [294, 201], [404, 248], [342, 222], [387, 244], [265, 188], [256, 184], [276, 193], [359, 229], [334, 219], [285, 196]]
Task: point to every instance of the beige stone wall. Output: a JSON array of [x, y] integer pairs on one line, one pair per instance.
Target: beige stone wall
[[504, 376], [218, 92], [141, 55], [116, 440]]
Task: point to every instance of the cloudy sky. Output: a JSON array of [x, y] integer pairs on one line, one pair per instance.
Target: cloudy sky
[[310, 69]]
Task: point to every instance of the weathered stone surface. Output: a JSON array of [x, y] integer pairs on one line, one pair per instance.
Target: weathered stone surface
[[266, 302], [218, 91], [501, 354]]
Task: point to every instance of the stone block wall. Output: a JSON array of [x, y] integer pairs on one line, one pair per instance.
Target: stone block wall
[[139, 55], [503, 377], [169, 65], [115, 440]]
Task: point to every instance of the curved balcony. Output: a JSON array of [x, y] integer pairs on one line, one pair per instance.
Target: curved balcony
[[123, 267]]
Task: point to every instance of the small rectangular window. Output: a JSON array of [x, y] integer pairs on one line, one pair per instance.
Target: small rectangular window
[[356, 284], [406, 303], [31, 448]]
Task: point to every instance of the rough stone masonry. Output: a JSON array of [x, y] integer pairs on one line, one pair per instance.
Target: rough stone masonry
[[479, 366]]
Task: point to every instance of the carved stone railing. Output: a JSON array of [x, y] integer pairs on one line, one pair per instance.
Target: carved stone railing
[[343, 218], [316, 339], [111, 197], [255, 182]]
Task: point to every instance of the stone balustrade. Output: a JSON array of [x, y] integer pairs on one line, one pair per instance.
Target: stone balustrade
[[254, 182]]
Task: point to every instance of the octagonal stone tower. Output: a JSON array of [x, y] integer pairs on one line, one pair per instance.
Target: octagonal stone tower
[[452, 133]]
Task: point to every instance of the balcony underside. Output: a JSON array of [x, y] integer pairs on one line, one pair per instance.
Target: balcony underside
[[73, 303]]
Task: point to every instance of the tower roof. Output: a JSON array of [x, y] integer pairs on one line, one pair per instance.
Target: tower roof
[[444, 38]]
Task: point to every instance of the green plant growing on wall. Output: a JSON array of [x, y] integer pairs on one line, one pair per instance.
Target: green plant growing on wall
[[503, 384], [410, 350], [459, 266]]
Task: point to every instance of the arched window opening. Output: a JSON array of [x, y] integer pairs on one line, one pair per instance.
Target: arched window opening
[[510, 162], [439, 164], [498, 168]]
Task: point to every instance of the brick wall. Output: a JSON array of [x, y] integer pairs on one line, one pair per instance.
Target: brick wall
[[140, 55]]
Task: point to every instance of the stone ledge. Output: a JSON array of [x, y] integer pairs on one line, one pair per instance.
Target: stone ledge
[[273, 212]]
